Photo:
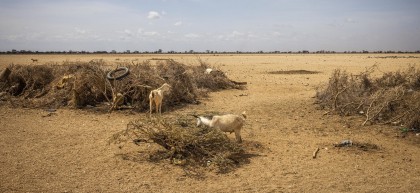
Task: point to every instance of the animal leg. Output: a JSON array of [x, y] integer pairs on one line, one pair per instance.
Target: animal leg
[[151, 105], [238, 136], [160, 108]]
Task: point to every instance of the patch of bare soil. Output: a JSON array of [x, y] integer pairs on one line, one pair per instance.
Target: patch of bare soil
[[294, 72], [68, 150]]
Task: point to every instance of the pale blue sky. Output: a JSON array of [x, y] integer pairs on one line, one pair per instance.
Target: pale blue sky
[[219, 25]]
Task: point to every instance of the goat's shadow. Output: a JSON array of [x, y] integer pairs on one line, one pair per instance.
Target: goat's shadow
[[241, 159], [251, 149]]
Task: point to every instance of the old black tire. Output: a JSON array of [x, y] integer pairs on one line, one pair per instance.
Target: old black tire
[[111, 74]]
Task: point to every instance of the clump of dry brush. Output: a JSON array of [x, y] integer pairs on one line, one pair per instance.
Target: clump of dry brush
[[79, 84], [393, 98], [183, 144]]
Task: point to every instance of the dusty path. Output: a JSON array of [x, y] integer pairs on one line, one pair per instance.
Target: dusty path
[[68, 151]]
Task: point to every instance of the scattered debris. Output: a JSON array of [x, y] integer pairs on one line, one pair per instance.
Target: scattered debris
[[112, 75], [344, 143], [357, 145]]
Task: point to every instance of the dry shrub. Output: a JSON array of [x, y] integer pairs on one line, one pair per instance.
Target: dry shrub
[[29, 82], [90, 86], [49, 85], [144, 77], [392, 98], [135, 87], [183, 86], [214, 81], [185, 145]]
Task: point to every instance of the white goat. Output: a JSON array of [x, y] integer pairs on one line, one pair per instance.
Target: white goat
[[156, 96], [226, 123], [208, 71]]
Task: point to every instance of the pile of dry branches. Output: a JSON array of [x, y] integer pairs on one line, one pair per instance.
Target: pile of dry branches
[[79, 84], [184, 145], [393, 98]]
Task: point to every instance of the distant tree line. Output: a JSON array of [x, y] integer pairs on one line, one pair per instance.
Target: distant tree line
[[195, 52]]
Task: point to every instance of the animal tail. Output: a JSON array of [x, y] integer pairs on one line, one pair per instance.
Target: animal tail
[[244, 114]]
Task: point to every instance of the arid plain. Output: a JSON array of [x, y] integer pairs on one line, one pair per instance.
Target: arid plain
[[69, 150]]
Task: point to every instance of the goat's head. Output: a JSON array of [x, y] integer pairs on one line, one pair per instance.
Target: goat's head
[[199, 122], [208, 71], [203, 121], [166, 87]]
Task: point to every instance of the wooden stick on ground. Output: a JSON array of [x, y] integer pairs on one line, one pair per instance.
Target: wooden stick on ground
[[315, 152]]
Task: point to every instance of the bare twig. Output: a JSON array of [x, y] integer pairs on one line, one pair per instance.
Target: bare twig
[[326, 113], [382, 105], [375, 98], [396, 118], [315, 153], [336, 96], [361, 104]]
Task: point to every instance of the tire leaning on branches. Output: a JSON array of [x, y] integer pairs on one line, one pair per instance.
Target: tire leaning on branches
[[110, 75]]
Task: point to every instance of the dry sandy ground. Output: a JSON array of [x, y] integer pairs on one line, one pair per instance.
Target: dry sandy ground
[[68, 151]]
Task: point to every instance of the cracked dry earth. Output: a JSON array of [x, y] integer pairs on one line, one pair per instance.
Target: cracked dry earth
[[68, 150]]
